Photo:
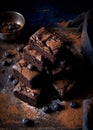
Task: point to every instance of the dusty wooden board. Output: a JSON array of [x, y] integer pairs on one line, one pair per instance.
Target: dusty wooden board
[[13, 110]]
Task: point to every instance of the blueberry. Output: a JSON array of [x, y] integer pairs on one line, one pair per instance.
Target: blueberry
[[11, 27], [62, 62], [15, 81], [28, 122], [10, 77], [47, 71], [4, 63], [9, 23], [4, 24], [45, 109], [19, 48], [30, 67], [74, 104], [7, 54], [55, 106]]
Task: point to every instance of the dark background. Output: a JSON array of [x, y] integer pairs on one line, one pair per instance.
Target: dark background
[[44, 12]]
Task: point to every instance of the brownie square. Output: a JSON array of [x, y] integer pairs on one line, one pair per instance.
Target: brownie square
[[61, 69], [46, 43], [33, 57], [26, 94], [34, 97], [64, 86], [30, 78]]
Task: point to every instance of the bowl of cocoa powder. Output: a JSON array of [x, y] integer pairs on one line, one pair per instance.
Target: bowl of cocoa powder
[[11, 25]]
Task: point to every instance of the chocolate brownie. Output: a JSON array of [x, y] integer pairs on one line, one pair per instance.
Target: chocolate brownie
[[60, 67], [63, 86], [27, 94], [35, 97], [46, 43], [33, 57], [24, 74], [36, 59]]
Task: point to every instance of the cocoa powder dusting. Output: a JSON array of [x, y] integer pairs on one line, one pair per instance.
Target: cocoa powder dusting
[[71, 117], [29, 111]]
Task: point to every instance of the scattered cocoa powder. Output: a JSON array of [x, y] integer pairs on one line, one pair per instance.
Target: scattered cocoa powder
[[71, 117], [29, 111], [13, 111], [74, 35]]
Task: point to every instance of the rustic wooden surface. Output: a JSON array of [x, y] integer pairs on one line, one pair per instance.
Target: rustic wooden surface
[[13, 110]]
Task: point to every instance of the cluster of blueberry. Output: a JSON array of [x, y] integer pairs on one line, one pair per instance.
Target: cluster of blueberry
[[55, 106], [52, 107], [9, 27], [7, 61]]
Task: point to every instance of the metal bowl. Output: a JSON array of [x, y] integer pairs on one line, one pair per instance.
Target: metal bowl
[[10, 20]]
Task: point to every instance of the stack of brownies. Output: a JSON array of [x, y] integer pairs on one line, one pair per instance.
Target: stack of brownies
[[46, 58]]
